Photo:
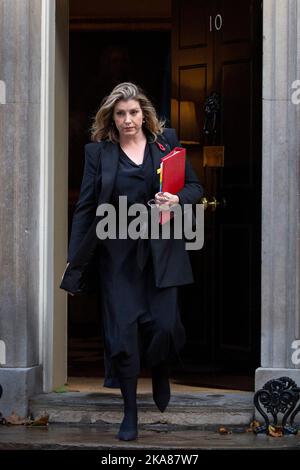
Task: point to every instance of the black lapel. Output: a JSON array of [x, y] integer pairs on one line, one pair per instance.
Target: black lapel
[[157, 152], [109, 167]]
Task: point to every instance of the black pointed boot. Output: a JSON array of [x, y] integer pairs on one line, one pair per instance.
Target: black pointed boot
[[128, 429], [161, 386]]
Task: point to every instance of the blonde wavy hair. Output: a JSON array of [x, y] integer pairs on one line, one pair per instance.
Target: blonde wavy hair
[[103, 126]]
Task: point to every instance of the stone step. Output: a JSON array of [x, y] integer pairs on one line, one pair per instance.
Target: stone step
[[199, 410], [66, 437]]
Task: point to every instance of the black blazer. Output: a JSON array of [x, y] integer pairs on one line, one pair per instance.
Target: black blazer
[[171, 260]]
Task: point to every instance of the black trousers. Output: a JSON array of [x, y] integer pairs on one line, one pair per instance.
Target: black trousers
[[149, 346]]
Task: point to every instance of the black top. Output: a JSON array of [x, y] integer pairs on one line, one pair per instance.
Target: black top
[[137, 183], [133, 180]]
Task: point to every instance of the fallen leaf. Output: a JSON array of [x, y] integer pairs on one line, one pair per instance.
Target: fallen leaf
[[41, 421], [252, 426], [275, 431], [15, 419], [64, 389], [61, 389], [223, 430]]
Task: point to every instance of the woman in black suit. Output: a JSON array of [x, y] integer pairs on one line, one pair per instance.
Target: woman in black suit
[[138, 278]]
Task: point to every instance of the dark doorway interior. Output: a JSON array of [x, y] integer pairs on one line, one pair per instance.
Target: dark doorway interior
[[99, 61]]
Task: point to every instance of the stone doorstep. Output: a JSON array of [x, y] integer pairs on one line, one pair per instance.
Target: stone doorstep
[[92, 437], [203, 410]]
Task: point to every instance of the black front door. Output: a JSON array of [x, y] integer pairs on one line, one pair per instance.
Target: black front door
[[216, 48]]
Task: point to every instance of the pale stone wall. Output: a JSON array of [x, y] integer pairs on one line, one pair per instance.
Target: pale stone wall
[[20, 374], [281, 189]]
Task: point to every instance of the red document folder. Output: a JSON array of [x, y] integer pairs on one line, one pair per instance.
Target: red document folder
[[173, 176]]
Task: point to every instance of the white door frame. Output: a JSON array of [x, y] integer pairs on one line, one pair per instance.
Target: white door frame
[[53, 191]]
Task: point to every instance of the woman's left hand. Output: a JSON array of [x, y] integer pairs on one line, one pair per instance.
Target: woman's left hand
[[166, 199]]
